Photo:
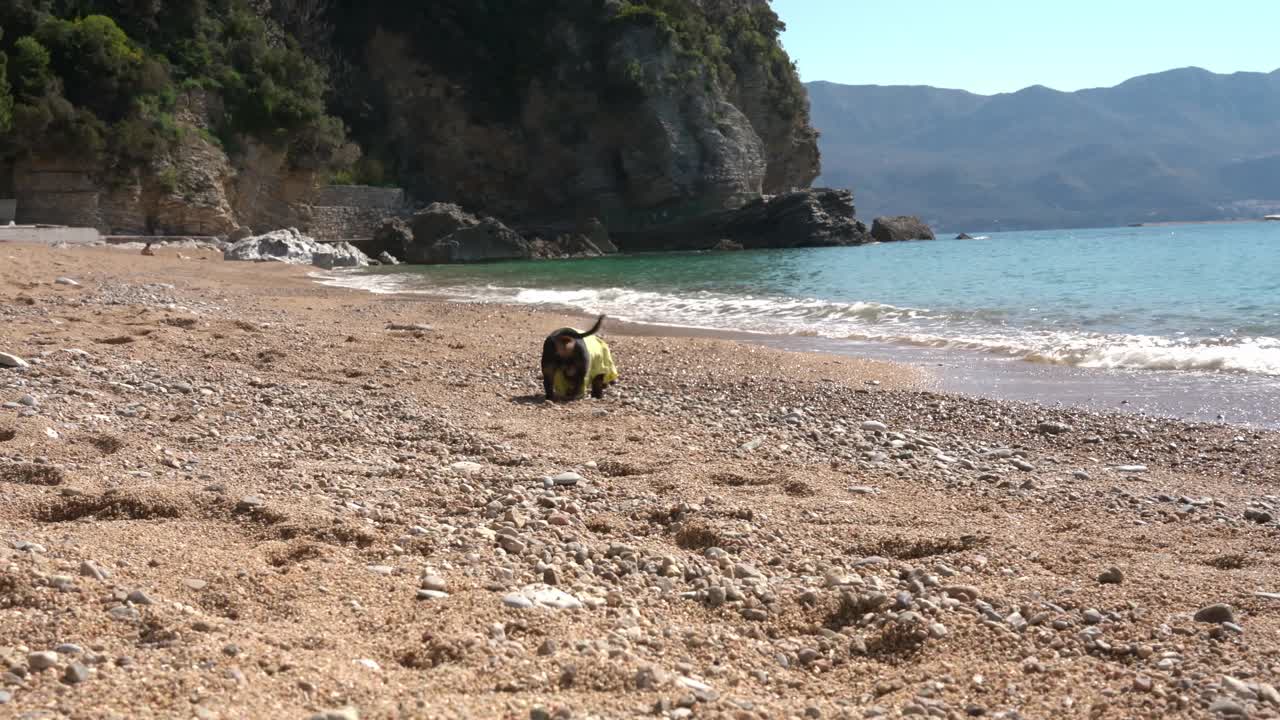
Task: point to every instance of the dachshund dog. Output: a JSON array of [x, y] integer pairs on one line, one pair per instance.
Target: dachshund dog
[[572, 360]]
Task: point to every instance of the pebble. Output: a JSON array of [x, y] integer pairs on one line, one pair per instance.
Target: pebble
[[67, 281], [42, 660], [862, 490], [369, 664], [69, 649], [434, 582], [195, 584], [1216, 614], [126, 613], [518, 601], [1053, 428], [381, 569], [1111, 576], [466, 468], [5, 697], [1080, 475], [874, 426], [250, 502], [75, 674], [28, 400], [566, 478], [432, 595], [11, 361], [346, 713], [1226, 706], [1131, 468], [1022, 465], [137, 597]]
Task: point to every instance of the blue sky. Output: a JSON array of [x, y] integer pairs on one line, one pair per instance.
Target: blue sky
[[990, 46]]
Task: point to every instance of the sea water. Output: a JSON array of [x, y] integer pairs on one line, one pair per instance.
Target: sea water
[[1180, 320]]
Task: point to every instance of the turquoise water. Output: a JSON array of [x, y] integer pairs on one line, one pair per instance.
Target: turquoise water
[[1198, 298]]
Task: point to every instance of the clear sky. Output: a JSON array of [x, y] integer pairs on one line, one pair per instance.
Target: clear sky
[[990, 46]]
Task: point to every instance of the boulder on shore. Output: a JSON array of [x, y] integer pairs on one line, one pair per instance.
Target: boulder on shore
[[727, 245], [291, 246], [818, 217], [900, 228], [445, 233]]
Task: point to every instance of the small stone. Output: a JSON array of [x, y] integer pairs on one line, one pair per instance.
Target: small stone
[[1080, 475], [466, 468], [1131, 468], [137, 597], [1022, 465], [1142, 683], [66, 281], [938, 630], [1228, 707], [874, 426], [1216, 614], [517, 601], [42, 660], [69, 649], [432, 595], [11, 361], [369, 664], [28, 400], [1111, 576], [566, 478], [346, 713], [1093, 617], [434, 582], [5, 697], [195, 584], [250, 502], [125, 613], [383, 570], [862, 490], [1053, 428], [75, 674]]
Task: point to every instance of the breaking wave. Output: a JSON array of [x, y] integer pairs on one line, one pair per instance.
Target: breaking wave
[[987, 331]]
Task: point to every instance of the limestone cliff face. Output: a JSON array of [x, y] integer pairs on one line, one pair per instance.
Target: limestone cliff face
[[626, 120], [639, 113]]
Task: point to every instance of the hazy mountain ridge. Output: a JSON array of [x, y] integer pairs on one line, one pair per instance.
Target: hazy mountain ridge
[[1185, 144]]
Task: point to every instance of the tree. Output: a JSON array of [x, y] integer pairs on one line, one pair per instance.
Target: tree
[[29, 71], [6, 94]]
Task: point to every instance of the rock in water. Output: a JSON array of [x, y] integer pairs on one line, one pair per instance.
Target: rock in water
[[445, 233], [818, 217], [11, 361], [964, 236], [899, 228]]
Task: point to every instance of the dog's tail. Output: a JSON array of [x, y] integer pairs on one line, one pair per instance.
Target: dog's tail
[[594, 329]]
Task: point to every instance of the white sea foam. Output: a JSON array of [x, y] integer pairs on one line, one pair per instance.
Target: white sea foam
[[981, 331]]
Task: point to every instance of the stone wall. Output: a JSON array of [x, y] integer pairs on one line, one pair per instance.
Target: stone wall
[[56, 194], [359, 196]]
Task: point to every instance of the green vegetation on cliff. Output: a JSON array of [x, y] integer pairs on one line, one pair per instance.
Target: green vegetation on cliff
[[103, 78], [353, 87]]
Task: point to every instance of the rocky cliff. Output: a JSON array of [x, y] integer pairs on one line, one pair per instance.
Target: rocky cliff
[[640, 113]]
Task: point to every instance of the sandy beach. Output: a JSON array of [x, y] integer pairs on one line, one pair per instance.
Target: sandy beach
[[231, 492]]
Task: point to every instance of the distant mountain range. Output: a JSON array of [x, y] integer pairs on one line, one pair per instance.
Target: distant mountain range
[[1185, 144]]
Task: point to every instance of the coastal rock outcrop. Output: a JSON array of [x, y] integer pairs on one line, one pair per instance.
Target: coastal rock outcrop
[[803, 218], [291, 246], [899, 228]]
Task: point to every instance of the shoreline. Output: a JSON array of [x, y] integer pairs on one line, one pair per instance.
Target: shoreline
[[1240, 399], [233, 492]]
